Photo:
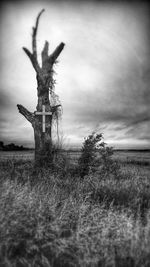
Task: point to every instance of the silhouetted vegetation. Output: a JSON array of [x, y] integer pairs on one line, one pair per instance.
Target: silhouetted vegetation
[[12, 147]]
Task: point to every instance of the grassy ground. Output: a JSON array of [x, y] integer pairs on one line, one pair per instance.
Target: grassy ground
[[54, 218]]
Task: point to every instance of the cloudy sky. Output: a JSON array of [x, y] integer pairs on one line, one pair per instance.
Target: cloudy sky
[[103, 74]]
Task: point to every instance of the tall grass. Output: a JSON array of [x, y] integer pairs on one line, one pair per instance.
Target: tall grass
[[53, 218]]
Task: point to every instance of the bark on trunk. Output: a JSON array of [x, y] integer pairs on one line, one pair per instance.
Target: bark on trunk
[[44, 75], [43, 142]]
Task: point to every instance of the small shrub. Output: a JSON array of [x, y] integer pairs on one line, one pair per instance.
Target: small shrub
[[96, 156]]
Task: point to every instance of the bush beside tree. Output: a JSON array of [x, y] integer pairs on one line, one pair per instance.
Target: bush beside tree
[[96, 156]]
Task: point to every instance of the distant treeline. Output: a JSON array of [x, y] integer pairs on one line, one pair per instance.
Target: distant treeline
[[11, 147]]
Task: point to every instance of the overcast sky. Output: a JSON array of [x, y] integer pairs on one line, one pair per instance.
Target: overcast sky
[[103, 74]]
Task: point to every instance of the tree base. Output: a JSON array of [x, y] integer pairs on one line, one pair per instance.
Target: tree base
[[44, 158]]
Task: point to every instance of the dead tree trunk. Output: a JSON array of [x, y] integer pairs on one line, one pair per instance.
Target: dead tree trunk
[[41, 119]]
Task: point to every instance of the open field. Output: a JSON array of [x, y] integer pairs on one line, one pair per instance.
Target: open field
[[122, 156], [141, 157], [53, 218], [17, 155]]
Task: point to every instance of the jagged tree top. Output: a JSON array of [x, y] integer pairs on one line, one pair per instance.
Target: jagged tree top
[[45, 72]]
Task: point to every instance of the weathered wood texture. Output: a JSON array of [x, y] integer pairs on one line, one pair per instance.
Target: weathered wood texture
[[45, 83]]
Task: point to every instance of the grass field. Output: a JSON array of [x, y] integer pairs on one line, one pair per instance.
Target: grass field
[[53, 218], [123, 156]]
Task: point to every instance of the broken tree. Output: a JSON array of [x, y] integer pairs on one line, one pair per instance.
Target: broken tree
[[41, 119]]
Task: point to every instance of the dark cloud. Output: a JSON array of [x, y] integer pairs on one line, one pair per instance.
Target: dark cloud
[[144, 137]]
